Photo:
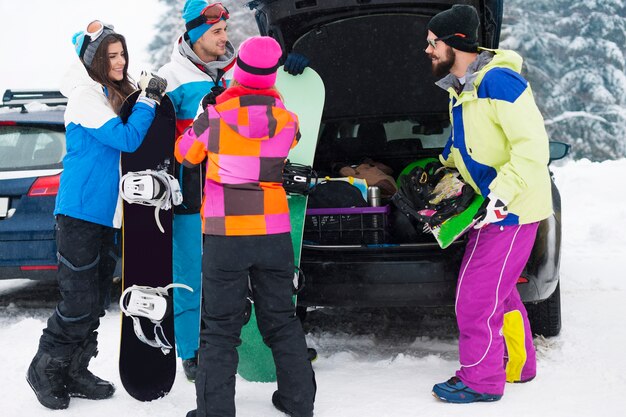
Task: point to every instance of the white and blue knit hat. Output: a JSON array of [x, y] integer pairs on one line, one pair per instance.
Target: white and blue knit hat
[[86, 44]]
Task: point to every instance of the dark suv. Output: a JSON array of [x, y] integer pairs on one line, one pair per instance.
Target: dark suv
[[382, 104], [32, 146]]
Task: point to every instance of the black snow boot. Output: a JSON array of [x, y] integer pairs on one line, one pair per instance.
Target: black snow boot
[[46, 376], [80, 381], [281, 407], [190, 366]]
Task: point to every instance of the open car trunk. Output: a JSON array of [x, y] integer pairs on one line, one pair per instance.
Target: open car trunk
[[382, 103]]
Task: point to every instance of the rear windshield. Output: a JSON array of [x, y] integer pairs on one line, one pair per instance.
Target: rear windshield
[[428, 132], [26, 147]]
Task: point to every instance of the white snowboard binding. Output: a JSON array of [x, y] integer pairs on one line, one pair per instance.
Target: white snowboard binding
[[152, 303], [151, 188]]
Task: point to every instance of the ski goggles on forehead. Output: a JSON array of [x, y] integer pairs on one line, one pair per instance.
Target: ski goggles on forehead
[[94, 31], [210, 15], [433, 42], [99, 29]]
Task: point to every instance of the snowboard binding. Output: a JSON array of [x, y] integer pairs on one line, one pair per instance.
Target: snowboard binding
[[432, 198], [151, 188], [298, 178], [298, 285], [155, 304]]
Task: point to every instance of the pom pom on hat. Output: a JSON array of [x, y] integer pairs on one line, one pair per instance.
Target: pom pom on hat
[[257, 62], [461, 19]]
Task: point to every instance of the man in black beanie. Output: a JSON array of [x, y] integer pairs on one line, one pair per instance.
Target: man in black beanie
[[459, 25], [499, 145], [458, 28]]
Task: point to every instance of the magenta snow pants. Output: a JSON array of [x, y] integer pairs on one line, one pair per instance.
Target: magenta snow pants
[[492, 319]]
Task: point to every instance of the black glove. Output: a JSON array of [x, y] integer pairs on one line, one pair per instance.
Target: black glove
[[216, 90], [152, 86], [296, 63]]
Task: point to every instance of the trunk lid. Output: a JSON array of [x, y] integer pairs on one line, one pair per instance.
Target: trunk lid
[[369, 54]]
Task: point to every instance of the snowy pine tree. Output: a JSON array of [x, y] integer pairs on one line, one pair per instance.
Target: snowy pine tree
[[167, 30], [241, 25], [575, 57]]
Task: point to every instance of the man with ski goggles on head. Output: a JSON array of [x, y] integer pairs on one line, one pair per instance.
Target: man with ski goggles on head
[[200, 60]]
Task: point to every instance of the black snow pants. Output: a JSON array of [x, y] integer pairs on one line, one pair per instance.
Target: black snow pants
[[227, 263], [87, 257]]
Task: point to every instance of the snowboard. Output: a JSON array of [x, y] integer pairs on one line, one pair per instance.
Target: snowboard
[[303, 95], [453, 228], [449, 231], [146, 372]]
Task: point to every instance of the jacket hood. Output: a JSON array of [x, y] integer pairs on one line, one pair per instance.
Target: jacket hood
[[264, 111], [76, 76], [183, 52], [501, 58], [485, 60]]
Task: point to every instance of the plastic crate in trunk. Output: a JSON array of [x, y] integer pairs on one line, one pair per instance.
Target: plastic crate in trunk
[[347, 226]]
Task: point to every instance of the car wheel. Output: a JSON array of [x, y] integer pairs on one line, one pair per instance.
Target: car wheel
[[545, 316]]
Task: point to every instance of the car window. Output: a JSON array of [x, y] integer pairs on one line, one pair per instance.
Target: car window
[[431, 133], [25, 147]]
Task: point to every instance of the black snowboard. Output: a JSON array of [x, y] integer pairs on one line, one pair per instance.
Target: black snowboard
[[146, 372]]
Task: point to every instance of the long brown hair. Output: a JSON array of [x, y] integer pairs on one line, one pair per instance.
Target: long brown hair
[[99, 71]]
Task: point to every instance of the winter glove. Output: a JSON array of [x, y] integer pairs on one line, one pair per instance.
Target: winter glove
[[216, 90], [152, 86], [296, 63], [492, 210]]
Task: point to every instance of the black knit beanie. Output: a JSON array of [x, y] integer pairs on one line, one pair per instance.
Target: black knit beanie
[[461, 20]]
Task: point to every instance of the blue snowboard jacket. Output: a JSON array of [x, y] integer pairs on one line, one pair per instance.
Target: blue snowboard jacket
[[95, 138]]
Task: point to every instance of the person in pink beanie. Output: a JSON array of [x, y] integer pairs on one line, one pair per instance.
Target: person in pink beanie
[[245, 138]]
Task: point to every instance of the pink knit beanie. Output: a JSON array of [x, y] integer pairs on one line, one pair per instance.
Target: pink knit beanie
[[257, 62]]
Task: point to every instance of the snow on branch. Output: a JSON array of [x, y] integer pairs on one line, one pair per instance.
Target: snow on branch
[[575, 114]]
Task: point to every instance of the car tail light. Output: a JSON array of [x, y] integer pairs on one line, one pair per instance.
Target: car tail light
[[38, 267], [45, 186], [7, 123], [522, 280]]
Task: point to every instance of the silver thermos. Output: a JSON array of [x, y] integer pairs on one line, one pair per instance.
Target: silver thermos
[[373, 196]]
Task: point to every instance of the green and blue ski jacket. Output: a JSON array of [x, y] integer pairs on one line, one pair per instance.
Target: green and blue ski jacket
[[498, 140]]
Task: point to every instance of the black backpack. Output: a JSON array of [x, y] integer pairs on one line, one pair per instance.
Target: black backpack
[[335, 194]]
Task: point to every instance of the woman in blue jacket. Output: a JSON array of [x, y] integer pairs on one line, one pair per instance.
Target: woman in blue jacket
[[88, 211]]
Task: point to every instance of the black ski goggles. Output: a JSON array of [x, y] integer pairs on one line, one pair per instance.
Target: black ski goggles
[[210, 15]]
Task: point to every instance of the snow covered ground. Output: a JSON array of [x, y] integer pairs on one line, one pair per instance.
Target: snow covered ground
[[582, 372], [360, 373]]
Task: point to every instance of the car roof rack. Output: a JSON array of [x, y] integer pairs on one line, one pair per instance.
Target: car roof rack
[[20, 98]]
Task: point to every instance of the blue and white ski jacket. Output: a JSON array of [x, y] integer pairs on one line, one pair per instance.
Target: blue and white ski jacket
[[95, 136], [188, 82]]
